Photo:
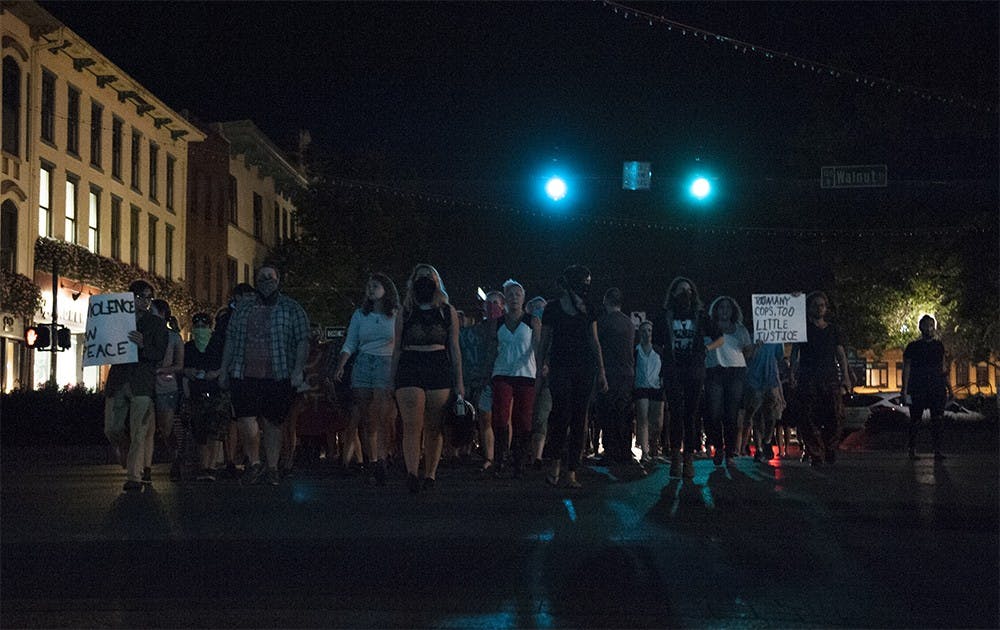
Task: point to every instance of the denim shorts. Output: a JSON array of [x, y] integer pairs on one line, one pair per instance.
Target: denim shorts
[[371, 371]]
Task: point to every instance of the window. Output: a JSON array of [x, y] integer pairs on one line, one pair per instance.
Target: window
[[284, 223], [8, 236], [152, 244], [877, 375], [200, 195], [96, 120], [133, 237], [168, 252], [277, 224], [231, 274], [94, 220], [207, 279], [45, 201], [73, 121], [192, 273], [136, 149], [218, 283], [246, 272], [961, 374], [116, 228], [899, 375], [154, 156], [48, 106], [71, 186], [232, 200], [170, 182], [116, 148], [258, 216], [11, 106]]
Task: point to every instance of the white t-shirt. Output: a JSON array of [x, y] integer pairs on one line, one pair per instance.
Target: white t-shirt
[[373, 333], [730, 353], [647, 369], [515, 356]]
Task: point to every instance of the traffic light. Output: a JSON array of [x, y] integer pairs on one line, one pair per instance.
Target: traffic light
[[38, 337], [63, 338]]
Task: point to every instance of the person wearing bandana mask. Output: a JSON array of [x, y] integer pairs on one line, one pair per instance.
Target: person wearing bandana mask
[[680, 333], [427, 364], [265, 353], [209, 405], [570, 353]]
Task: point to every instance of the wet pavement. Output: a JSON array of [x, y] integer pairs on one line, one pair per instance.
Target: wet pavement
[[875, 541]]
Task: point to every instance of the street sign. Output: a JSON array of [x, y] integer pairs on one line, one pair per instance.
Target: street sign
[[859, 176], [335, 332]]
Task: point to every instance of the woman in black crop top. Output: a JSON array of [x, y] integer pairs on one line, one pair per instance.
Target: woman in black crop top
[[426, 363]]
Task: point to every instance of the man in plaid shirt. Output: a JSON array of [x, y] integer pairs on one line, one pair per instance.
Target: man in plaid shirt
[[266, 348]]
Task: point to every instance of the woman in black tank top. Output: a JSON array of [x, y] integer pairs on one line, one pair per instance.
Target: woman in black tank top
[[427, 363]]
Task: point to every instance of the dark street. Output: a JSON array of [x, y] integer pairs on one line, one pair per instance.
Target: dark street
[[875, 541]]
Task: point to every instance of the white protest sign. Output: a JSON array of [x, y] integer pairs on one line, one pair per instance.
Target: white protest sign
[[779, 318], [110, 318]]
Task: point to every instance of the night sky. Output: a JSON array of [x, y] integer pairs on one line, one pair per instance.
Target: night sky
[[477, 99]]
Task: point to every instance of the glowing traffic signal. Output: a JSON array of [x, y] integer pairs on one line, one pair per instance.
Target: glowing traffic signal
[[555, 188], [38, 337], [700, 188]]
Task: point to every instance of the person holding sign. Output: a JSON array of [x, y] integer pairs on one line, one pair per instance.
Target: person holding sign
[[130, 387], [726, 368], [681, 330], [819, 373]]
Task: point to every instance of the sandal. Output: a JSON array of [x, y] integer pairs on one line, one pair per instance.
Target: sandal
[[487, 466], [571, 482], [552, 480]]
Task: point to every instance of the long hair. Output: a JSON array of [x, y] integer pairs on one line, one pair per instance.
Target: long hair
[[737, 311], [669, 302], [440, 295], [390, 301]]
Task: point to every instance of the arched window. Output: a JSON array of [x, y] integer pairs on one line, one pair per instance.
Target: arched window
[[8, 236], [11, 106]]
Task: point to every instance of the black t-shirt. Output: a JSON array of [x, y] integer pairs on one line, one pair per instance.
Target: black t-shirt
[[926, 357], [616, 333], [682, 338], [570, 336], [818, 356]]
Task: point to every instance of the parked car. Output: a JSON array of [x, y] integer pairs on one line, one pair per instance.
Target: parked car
[[858, 407], [891, 410]]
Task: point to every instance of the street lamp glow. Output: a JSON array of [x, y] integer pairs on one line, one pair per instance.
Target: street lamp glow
[[555, 188], [700, 188]]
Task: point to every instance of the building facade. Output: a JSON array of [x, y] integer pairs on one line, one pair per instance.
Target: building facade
[[91, 159], [262, 188]]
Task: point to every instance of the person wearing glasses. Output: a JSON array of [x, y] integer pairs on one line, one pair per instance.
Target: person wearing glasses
[[130, 388]]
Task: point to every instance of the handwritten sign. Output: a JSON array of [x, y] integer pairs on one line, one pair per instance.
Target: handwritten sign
[[779, 318], [110, 318]]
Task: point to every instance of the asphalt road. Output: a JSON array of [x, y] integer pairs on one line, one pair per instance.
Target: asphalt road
[[876, 541]]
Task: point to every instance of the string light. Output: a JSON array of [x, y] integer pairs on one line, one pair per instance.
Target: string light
[[799, 62]]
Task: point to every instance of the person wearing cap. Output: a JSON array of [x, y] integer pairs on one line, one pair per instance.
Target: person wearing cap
[[210, 408]]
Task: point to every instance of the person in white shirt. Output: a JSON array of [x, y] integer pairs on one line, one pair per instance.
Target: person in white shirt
[[647, 394], [371, 337], [514, 372], [726, 367]]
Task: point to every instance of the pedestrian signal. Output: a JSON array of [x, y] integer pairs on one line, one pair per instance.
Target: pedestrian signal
[[38, 337], [63, 338]]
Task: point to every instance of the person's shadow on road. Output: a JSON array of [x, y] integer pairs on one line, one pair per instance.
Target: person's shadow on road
[[137, 515]]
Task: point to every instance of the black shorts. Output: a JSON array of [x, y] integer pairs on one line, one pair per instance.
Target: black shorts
[[253, 397], [647, 394], [426, 370]]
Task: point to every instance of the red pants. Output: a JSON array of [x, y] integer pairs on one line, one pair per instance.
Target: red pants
[[514, 403]]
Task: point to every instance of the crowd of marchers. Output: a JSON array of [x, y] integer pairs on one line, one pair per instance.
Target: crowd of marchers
[[529, 384]]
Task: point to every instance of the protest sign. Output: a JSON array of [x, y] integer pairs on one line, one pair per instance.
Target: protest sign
[[110, 318], [779, 318]]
